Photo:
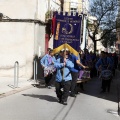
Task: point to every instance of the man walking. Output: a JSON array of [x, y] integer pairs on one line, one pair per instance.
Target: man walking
[[74, 72], [63, 77], [104, 63]]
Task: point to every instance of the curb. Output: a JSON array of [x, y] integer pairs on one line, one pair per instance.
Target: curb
[[17, 90]]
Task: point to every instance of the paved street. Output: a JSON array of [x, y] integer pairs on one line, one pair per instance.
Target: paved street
[[41, 104], [41, 39]]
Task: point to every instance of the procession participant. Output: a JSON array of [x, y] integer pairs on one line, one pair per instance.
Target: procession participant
[[74, 72], [113, 65], [59, 54], [104, 63], [49, 70], [89, 62], [63, 77], [115, 58], [82, 60]]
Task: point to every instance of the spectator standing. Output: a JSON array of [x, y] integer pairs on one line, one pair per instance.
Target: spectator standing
[[89, 63]]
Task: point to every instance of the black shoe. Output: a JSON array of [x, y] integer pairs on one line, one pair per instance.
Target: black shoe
[[77, 93], [108, 91], [64, 103], [82, 89], [72, 95], [103, 91]]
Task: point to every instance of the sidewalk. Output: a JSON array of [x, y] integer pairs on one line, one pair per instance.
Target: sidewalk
[[7, 85]]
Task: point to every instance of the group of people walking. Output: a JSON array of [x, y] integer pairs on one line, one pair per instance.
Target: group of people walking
[[65, 69]]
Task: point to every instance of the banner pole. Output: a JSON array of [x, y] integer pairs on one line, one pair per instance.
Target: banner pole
[[81, 32], [83, 45], [64, 58]]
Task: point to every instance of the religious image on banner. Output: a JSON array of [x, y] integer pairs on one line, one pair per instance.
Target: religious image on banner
[[67, 31]]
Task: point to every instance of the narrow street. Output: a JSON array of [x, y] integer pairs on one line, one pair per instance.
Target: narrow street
[[65, 38], [41, 104]]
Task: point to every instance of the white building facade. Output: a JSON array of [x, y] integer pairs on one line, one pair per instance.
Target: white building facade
[[22, 35]]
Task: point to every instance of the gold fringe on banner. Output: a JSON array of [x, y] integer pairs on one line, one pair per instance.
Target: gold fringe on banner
[[72, 50]]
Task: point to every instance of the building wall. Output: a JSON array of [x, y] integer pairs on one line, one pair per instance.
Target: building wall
[[40, 40], [20, 9], [99, 46], [21, 41], [26, 9], [16, 44], [68, 4]]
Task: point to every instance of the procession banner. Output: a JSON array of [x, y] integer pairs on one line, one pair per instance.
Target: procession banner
[[67, 31]]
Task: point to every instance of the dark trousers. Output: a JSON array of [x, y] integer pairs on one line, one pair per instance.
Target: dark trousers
[[94, 72], [73, 82], [113, 71], [63, 95], [106, 85], [80, 85], [50, 79]]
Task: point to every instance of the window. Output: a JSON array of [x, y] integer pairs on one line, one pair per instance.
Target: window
[[73, 9]]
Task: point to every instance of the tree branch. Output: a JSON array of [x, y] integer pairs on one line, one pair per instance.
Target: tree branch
[[90, 34], [107, 32], [107, 10]]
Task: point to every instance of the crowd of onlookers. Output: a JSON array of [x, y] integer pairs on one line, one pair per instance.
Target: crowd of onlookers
[[62, 70]]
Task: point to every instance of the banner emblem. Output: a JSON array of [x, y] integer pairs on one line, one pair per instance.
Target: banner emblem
[[67, 29]]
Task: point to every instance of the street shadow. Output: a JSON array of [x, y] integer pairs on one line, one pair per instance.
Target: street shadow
[[42, 97], [93, 88]]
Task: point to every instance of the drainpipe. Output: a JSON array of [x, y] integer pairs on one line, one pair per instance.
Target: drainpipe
[[36, 13], [35, 17], [62, 5], [48, 5]]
